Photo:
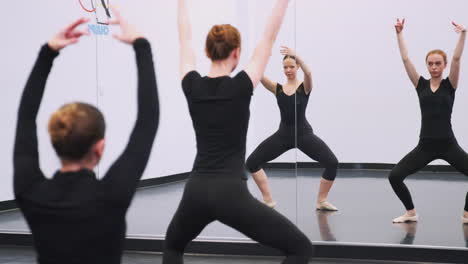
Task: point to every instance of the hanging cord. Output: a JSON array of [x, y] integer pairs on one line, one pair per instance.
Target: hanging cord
[[295, 116]]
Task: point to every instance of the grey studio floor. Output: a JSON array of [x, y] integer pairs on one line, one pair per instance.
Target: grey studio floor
[[366, 201]]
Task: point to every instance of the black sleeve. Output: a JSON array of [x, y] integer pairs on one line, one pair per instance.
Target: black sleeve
[[449, 84], [187, 81], [244, 83], [27, 172], [123, 176], [421, 84], [302, 87], [279, 88]]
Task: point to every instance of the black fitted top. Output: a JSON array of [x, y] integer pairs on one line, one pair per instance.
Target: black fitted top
[[436, 109], [220, 113], [74, 217], [286, 105]]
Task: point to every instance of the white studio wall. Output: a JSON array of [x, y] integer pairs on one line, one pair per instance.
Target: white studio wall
[[175, 147], [363, 104], [27, 28], [102, 71]]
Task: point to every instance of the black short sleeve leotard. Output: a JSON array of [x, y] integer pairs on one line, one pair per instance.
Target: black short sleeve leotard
[[217, 189], [290, 115], [220, 115], [436, 109]]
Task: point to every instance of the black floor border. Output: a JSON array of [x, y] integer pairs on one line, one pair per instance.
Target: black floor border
[[163, 180], [8, 205], [204, 247], [11, 204], [321, 250], [8, 239]]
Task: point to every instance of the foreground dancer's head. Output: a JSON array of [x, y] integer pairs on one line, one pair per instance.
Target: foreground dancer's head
[[223, 45]]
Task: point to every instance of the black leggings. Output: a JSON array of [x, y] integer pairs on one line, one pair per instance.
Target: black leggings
[[227, 199], [426, 151], [280, 142]]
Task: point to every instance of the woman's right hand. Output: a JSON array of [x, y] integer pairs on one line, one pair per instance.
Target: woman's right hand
[[129, 33], [399, 25], [68, 35]]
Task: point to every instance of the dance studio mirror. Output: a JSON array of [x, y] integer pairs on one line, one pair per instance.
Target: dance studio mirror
[[174, 152], [366, 110], [360, 103], [104, 74]]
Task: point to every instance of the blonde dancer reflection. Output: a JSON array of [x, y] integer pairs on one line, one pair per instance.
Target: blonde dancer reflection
[[294, 131]]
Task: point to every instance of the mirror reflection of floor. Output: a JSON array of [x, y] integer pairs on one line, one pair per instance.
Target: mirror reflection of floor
[[26, 256], [368, 204], [365, 199], [152, 208]]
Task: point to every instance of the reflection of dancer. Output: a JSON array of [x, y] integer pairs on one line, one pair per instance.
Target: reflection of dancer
[[293, 93], [410, 232], [437, 141], [324, 227], [74, 217], [219, 107]]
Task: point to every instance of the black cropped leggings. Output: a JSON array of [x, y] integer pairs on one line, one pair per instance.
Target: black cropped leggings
[[426, 151], [227, 199], [281, 141]]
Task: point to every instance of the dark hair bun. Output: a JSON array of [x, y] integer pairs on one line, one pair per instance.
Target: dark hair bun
[[218, 33], [74, 128], [60, 125]]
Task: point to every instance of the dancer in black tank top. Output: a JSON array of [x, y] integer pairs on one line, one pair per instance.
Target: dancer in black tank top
[[219, 107], [292, 101], [436, 140], [73, 216]]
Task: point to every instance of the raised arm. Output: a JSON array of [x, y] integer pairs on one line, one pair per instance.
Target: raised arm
[[257, 64], [409, 66], [269, 84], [124, 175], [25, 154], [187, 54], [455, 67], [300, 62]]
